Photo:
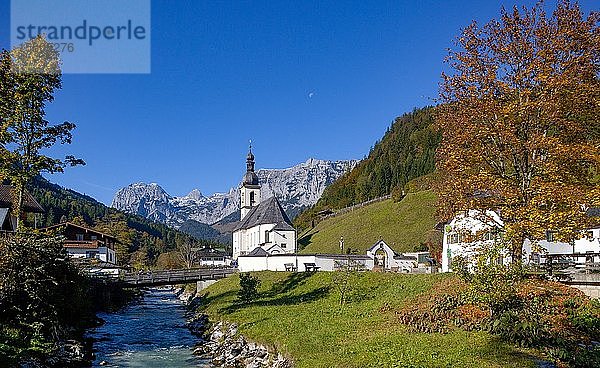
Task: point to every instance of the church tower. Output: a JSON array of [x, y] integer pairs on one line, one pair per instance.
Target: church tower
[[250, 191]]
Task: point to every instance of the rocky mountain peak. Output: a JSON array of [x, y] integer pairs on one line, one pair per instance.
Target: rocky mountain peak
[[296, 188], [195, 194]]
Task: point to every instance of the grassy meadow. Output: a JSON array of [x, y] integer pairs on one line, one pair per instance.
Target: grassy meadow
[[300, 315], [403, 225]]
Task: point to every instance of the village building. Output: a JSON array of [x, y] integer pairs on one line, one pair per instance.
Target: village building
[[387, 259], [471, 231], [8, 200], [263, 224], [210, 257], [85, 243]]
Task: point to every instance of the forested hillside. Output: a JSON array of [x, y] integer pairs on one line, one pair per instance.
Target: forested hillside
[[142, 240], [406, 152]]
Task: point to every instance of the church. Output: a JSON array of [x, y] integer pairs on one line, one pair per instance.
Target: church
[[264, 227]]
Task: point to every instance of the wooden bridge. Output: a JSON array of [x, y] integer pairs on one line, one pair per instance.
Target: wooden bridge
[[170, 277]]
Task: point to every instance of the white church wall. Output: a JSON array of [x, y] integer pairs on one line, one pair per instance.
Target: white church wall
[[247, 264], [274, 262], [286, 239], [325, 262]]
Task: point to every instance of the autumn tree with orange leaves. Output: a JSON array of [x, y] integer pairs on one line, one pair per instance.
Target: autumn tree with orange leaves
[[520, 118]]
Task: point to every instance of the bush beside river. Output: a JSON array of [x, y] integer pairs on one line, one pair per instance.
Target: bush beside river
[[46, 304]]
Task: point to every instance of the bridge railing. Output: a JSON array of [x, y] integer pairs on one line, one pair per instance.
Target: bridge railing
[[175, 276]]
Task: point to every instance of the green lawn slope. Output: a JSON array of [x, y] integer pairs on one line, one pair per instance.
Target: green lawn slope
[[300, 315], [403, 225]]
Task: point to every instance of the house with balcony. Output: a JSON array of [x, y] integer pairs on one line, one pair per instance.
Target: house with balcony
[[84, 243]]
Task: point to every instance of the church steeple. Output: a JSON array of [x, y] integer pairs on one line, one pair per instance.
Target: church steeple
[[250, 178], [250, 191], [250, 159]]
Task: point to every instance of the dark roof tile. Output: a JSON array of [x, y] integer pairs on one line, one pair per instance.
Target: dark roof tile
[[267, 212], [257, 252], [8, 200]]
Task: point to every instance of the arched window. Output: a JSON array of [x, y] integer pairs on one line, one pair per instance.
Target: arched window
[[251, 198], [267, 236]]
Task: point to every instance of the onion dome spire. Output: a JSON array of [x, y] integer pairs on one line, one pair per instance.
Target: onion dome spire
[[250, 178]]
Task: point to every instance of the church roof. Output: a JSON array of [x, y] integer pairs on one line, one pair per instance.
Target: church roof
[[257, 252], [250, 178], [267, 212]]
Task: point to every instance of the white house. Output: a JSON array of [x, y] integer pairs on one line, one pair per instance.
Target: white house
[[467, 233], [263, 224], [83, 242], [212, 257], [385, 258]]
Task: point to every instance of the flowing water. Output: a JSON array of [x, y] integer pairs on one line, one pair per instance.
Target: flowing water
[[146, 334]]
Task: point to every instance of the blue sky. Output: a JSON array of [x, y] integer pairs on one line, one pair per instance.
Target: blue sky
[[226, 72]]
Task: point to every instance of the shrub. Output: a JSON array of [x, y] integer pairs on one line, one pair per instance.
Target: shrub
[[248, 287], [42, 295], [528, 312]]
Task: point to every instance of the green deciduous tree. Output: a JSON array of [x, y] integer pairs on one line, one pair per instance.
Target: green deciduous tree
[[29, 76]]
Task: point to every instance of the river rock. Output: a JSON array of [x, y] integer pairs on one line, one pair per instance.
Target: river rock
[[198, 325], [226, 348]]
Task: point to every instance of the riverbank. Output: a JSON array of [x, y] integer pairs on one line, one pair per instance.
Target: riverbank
[[299, 316], [73, 349]]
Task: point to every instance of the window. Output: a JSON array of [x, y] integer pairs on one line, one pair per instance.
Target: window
[[251, 198], [91, 254], [488, 235], [267, 236], [452, 238], [79, 237], [283, 245], [550, 236], [94, 237]]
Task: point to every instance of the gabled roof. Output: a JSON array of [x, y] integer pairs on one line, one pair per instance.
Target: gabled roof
[[257, 252], [396, 254], [267, 212], [210, 252], [8, 200], [86, 229], [376, 245], [275, 247]]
